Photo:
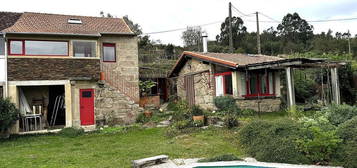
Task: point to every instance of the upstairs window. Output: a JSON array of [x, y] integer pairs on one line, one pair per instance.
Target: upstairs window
[[109, 54], [223, 83], [84, 49], [38, 48]]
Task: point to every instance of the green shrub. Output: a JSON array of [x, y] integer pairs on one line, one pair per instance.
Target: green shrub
[[348, 130], [8, 114], [338, 114], [71, 132], [198, 123], [223, 102], [248, 112], [196, 110], [226, 157], [348, 154], [142, 118], [182, 124], [319, 145], [230, 121], [272, 141], [182, 111]]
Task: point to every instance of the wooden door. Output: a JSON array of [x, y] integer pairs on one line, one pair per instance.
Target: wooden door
[[190, 89], [87, 106]]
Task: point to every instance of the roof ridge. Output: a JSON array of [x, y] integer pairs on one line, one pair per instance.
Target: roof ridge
[[73, 15]]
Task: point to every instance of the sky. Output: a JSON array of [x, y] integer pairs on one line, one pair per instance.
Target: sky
[[161, 15]]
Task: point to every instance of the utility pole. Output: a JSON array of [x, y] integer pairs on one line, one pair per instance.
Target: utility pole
[[258, 34], [230, 28]]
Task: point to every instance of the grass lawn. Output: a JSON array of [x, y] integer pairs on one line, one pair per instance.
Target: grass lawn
[[113, 150]]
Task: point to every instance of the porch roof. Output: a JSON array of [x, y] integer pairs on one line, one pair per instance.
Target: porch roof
[[250, 61]]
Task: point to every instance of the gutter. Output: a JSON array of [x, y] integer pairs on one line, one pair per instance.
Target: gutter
[[61, 34]]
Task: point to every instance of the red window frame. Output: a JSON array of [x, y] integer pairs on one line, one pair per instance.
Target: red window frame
[[258, 85], [224, 81], [24, 48], [115, 52]]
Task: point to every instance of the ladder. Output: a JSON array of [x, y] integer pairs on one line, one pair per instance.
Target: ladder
[[59, 104]]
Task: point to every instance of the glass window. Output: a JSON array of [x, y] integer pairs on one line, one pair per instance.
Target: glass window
[[228, 84], [2, 46], [109, 52], [243, 84], [46, 47], [253, 82], [16, 47], [271, 83], [84, 49], [263, 83]]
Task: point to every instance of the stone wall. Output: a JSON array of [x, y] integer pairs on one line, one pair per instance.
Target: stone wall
[[265, 105], [204, 88], [113, 107]]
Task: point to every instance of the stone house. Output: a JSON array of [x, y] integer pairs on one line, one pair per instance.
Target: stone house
[[253, 80], [68, 71]]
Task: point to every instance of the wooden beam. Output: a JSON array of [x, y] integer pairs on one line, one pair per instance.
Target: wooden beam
[[335, 86], [290, 87]]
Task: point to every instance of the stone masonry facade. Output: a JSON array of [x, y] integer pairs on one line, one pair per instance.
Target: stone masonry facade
[[113, 107], [204, 87]]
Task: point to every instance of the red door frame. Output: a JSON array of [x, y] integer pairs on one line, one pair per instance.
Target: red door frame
[[86, 107]]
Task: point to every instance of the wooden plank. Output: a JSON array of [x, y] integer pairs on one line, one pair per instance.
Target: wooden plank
[[150, 161]]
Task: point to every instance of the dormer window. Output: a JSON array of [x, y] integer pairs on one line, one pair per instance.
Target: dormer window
[[74, 21]]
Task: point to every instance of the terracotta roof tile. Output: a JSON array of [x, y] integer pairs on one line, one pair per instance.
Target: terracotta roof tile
[[7, 19], [54, 23]]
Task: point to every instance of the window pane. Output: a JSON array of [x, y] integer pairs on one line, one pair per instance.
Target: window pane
[[84, 49], [253, 81], [219, 85], [46, 47], [2, 46], [16, 47], [271, 83], [108, 53], [263, 83], [228, 84]]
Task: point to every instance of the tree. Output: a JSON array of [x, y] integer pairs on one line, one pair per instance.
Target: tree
[[136, 28], [238, 31], [192, 37], [296, 33]]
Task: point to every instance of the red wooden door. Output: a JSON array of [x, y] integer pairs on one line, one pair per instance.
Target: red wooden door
[[87, 106]]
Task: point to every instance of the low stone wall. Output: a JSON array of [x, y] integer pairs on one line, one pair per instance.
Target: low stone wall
[[265, 105], [113, 107]]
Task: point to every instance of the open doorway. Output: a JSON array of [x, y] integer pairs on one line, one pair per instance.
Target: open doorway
[[42, 107]]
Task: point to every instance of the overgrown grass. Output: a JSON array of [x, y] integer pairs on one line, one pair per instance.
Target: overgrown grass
[[115, 149]]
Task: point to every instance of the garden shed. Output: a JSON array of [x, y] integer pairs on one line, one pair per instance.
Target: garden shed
[[253, 80]]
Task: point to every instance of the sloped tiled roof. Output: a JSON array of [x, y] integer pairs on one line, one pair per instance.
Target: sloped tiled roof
[[58, 24], [7, 19]]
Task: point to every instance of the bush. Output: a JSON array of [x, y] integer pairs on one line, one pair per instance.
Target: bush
[[272, 141], [230, 121], [142, 118], [226, 157], [248, 112], [319, 145], [338, 114], [196, 110], [226, 105], [182, 111], [182, 124], [71, 132], [8, 114], [348, 130]]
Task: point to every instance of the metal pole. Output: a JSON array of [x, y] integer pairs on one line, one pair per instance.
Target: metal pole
[[230, 28], [258, 34]]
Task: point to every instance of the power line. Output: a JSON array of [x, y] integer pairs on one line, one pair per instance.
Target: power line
[[269, 17], [180, 29], [243, 14]]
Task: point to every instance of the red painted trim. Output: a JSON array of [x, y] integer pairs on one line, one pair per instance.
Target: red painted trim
[[115, 52], [258, 85], [24, 47], [223, 73]]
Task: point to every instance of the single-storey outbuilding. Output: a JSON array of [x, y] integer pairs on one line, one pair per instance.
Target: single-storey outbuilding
[[254, 80]]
